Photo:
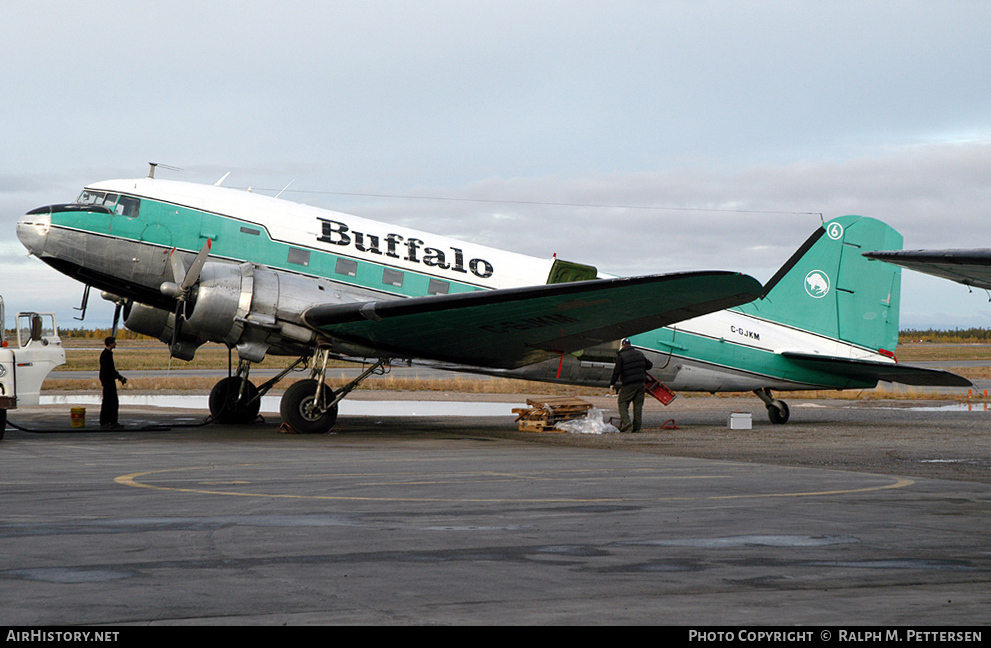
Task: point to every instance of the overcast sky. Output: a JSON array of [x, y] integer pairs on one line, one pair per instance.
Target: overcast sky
[[640, 137]]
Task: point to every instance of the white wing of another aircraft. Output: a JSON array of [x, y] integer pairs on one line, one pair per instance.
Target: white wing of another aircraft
[[968, 267]]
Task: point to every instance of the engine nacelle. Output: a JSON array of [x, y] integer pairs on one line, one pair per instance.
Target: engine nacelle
[[216, 301], [246, 306], [160, 324]]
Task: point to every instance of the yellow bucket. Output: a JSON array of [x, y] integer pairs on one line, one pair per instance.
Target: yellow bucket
[[78, 417]]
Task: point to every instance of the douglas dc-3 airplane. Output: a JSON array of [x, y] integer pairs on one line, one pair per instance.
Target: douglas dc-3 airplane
[[189, 263]]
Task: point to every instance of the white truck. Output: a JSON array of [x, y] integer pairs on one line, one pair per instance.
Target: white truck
[[23, 368]]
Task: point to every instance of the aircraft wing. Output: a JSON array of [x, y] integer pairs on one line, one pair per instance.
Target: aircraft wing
[[871, 370], [969, 267], [515, 327]]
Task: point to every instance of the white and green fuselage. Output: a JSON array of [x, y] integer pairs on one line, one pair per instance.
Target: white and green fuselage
[[157, 215], [119, 234]]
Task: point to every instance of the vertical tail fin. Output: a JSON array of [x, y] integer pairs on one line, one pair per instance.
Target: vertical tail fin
[[828, 288]]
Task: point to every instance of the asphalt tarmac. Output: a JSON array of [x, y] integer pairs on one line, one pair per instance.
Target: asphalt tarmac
[[853, 513]]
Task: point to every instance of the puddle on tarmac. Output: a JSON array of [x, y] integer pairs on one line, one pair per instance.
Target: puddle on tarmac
[[270, 405], [956, 407]]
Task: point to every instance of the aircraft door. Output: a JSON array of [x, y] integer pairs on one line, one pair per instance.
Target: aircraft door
[[152, 259], [568, 271]]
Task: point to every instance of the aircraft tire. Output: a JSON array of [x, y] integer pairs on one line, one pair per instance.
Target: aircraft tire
[[224, 406], [778, 412], [296, 408], [3, 422]]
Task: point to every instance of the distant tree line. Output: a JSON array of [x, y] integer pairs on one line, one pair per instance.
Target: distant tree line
[[960, 336], [100, 334]]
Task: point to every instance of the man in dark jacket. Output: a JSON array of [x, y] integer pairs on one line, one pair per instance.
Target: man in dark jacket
[[631, 370], [109, 378]]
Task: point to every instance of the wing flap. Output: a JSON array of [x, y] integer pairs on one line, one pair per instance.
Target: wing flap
[[519, 326], [887, 371]]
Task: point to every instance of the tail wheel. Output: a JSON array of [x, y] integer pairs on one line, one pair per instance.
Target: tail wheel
[[300, 410], [227, 408], [778, 412]]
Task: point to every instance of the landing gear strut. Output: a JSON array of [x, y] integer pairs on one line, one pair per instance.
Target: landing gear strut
[[777, 410], [310, 406]]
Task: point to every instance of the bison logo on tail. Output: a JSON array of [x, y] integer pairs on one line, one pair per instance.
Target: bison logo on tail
[[817, 284]]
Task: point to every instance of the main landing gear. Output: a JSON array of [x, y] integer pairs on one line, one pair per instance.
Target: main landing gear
[[308, 406], [777, 410], [236, 400]]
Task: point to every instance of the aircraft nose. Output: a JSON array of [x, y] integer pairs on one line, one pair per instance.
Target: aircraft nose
[[32, 229]]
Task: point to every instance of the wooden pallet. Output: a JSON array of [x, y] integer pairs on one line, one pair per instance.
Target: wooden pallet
[[546, 412]]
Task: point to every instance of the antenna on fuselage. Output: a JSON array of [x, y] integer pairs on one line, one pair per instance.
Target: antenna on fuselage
[[152, 165]]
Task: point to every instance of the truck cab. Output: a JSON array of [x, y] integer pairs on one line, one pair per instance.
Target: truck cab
[[25, 366]]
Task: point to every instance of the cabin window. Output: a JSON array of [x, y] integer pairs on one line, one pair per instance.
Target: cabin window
[[299, 257], [248, 230], [347, 267], [392, 277], [438, 287]]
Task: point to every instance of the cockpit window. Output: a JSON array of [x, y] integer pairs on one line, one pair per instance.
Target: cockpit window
[[88, 197], [120, 205]]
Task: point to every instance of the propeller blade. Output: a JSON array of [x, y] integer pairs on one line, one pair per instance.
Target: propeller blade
[[194, 270], [177, 322], [117, 308], [178, 267], [184, 282]]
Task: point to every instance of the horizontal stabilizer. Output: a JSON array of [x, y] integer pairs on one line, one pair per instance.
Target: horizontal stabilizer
[[515, 327], [873, 370]]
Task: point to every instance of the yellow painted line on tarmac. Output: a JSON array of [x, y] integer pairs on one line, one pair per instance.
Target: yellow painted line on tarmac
[[133, 480], [900, 483]]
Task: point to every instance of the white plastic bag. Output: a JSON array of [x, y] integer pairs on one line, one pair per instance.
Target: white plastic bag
[[593, 423]]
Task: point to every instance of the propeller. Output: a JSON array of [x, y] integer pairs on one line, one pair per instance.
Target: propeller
[[121, 305], [117, 308], [182, 285]]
